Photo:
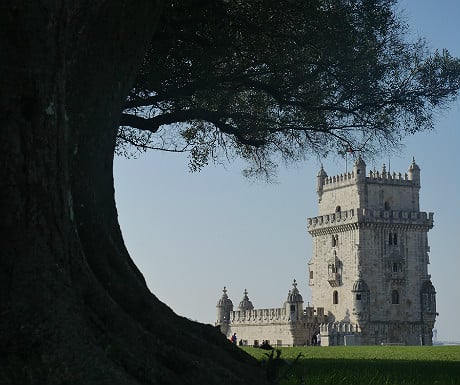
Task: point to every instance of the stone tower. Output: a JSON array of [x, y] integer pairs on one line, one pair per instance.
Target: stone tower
[[223, 309], [369, 268]]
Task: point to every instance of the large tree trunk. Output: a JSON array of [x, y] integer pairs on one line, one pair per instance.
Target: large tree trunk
[[73, 306]]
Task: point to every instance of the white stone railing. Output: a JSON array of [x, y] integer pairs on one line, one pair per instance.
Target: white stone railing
[[259, 316]]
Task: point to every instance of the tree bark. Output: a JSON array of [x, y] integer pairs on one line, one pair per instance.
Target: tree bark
[[73, 306]]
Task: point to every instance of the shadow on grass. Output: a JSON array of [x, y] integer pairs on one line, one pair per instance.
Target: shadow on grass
[[343, 371]]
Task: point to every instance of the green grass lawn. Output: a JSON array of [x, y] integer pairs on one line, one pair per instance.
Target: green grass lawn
[[363, 365]]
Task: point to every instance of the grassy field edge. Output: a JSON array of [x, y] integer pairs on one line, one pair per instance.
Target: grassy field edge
[[389, 365]]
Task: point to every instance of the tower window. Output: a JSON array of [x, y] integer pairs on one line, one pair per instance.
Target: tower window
[[392, 238], [335, 240], [338, 209], [387, 206], [358, 297], [395, 297], [397, 267], [311, 274], [335, 297]]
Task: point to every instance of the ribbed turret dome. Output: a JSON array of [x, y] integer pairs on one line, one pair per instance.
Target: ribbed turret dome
[[414, 166], [245, 303], [321, 172], [294, 295], [360, 285], [225, 301]]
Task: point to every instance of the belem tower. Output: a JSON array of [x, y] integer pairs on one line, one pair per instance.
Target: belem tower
[[368, 273]]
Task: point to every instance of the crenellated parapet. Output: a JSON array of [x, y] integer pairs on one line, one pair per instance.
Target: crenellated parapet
[[362, 215], [337, 181], [340, 333], [274, 316], [358, 175], [337, 217], [379, 177], [259, 316], [388, 177], [338, 327], [398, 217]]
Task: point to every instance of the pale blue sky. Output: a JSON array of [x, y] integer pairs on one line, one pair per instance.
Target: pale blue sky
[[191, 234]]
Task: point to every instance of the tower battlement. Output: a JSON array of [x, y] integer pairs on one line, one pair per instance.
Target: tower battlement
[[260, 316], [370, 257], [274, 315], [337, 181], [374, 176], [380, 190], [362, 215]]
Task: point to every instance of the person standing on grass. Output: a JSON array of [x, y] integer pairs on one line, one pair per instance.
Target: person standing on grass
[[234, 338], [318, 339], [314, 340]]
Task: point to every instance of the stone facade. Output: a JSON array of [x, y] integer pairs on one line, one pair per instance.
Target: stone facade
[[368, 271], [289, 325]]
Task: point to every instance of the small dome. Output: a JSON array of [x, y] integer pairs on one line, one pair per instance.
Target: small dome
[[360, 285], [360, 162], [414, 166], [225, 301], [427, 287], [321, 172], [294, 295], [245, 303]]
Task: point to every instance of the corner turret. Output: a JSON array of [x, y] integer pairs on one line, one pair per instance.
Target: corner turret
[[428, 300], [359, 169], [414, 173], [224, 307], [294, 303], [245, 303], [320, 178], [428, 316], [361, 299]]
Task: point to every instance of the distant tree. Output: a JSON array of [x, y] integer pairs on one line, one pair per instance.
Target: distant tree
[[73, 306], [271, 80]]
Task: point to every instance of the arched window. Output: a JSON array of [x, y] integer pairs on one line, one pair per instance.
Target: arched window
[[335, 239], [338, 209], [335, 297], [387, 205], [395, 297], [395, 239], [395, 267], [390, 239]]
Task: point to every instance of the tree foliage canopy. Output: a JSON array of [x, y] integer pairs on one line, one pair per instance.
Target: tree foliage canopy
[[269, 80]]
